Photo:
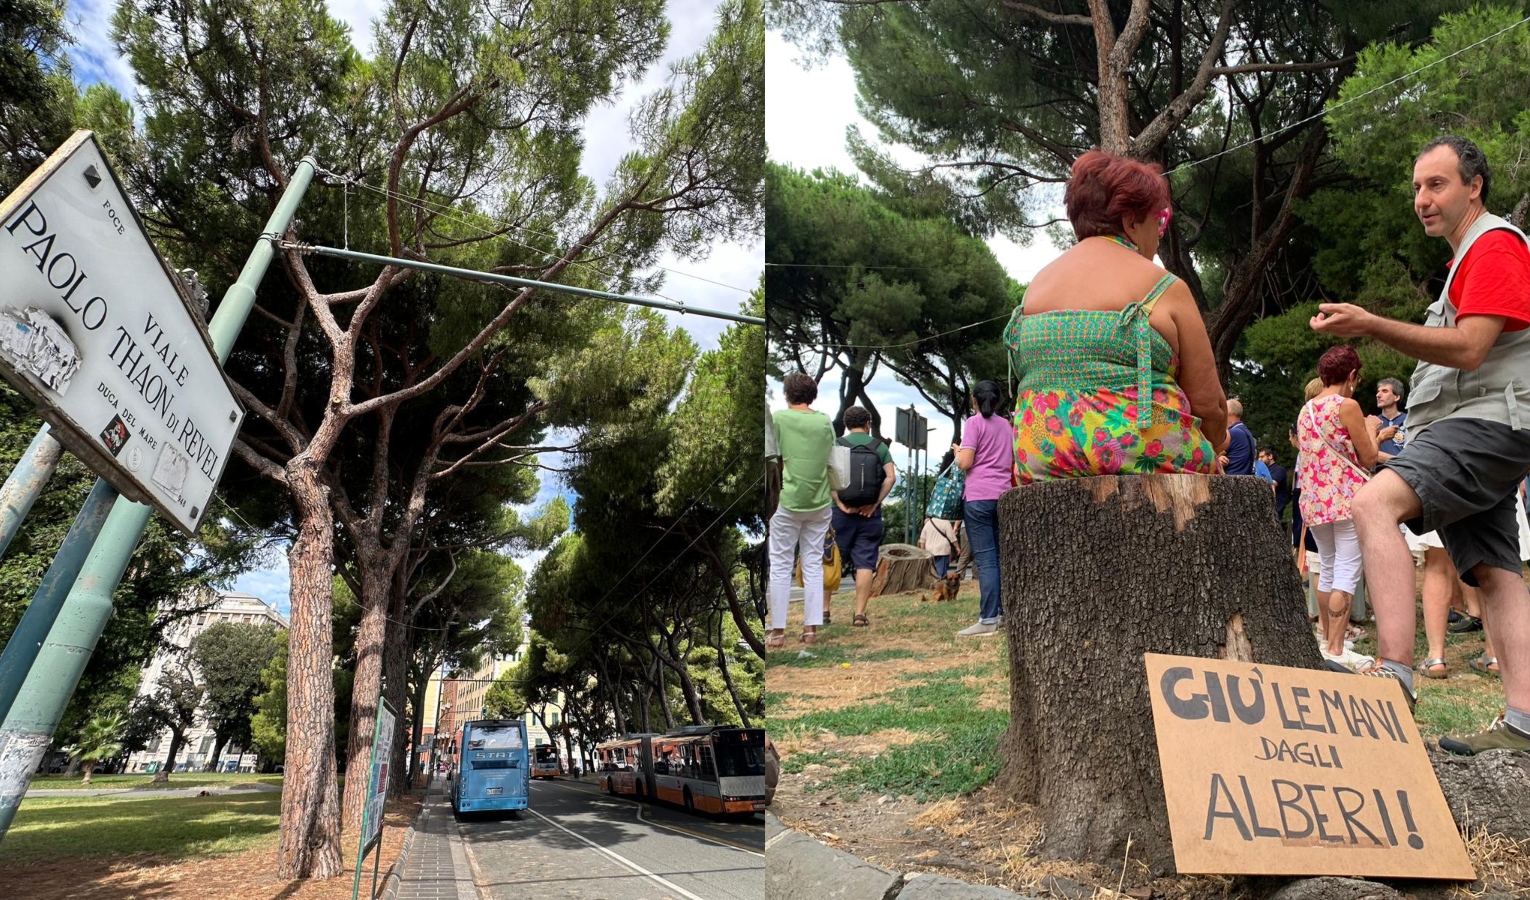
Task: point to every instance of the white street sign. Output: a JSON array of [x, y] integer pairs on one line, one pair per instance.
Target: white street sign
[[97, 331]]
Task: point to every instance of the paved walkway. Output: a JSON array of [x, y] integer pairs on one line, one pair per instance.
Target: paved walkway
[[437, 867]]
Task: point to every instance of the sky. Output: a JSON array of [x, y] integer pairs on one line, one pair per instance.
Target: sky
[[721, 281], [808, 111]]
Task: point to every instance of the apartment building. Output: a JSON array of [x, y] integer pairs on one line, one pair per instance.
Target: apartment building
[[230, 606]]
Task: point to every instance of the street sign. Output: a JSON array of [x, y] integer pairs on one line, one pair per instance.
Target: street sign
[[377, 795], [97, 331], [912, 429]]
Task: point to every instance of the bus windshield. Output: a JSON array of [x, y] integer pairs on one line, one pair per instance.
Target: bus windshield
[[736, 760], [546, 754], [494, 737]]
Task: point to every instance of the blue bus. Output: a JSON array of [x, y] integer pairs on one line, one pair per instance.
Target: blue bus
[[492, 768]]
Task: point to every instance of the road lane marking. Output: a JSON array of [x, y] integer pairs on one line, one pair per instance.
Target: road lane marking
[[695, 834], [621, 859], [641, 806]]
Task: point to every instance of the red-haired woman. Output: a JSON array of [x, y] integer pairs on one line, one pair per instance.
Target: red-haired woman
[[1338, 450], [1115, 370]]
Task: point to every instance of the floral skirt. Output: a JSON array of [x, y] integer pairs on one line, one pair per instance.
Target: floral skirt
[[1068, 434]]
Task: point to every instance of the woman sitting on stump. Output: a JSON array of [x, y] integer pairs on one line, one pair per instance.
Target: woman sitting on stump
[[1115, 369]]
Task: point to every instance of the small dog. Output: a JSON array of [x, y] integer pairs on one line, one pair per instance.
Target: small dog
[[947, 589]]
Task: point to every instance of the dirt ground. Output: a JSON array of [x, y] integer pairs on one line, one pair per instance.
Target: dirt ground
[[241, 876], [982, 837]]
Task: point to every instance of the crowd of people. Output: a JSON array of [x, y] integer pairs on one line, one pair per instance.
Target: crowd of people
[[1115, 374]]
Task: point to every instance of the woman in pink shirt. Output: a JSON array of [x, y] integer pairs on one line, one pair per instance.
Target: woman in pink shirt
[[987, 455], [1338, 449]]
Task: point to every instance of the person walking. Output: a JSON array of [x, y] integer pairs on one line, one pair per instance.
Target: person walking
[[804, 438], [986, 454], [1338, 446], [1468, 439]]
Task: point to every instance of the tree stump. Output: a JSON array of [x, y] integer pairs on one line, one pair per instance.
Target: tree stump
[[1095, 573], [903, 567]]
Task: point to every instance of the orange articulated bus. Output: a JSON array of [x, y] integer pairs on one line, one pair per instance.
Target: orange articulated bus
[[703, 768]]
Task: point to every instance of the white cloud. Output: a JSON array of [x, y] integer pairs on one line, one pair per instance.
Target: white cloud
[[272, 584]]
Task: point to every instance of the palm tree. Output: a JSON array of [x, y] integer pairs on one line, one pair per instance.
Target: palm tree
[[100, 740]]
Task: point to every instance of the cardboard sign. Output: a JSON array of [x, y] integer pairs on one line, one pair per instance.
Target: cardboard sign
[[1271, 770], [97, 331]]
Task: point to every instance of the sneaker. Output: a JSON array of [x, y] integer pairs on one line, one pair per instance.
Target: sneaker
[[977, 630], [1499, 736], [1379, 671], [1350, 660]]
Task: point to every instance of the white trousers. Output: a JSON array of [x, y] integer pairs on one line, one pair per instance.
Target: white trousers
[[792, 533], [1339, 548]]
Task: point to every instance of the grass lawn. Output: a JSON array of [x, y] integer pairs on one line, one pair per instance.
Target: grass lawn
[[52, 828], [906, 708], [177, 781]]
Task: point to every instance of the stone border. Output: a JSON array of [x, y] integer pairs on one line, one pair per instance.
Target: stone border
[[798, 866], [395, 875]]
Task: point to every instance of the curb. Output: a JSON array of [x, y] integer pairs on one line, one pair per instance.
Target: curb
[[797, 865], [395, 876]]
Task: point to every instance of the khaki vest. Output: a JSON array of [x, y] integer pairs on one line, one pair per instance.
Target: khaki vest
[[1499, 389]]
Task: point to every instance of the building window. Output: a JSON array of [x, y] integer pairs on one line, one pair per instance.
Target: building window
[[207, 743], [201, 618], [553, 719], [153, 745]]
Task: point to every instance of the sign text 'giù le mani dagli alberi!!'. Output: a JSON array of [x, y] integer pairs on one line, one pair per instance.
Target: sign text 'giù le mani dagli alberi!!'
[[1272, 770], [97, 331]]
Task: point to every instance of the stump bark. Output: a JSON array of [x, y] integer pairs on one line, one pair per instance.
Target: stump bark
[[903, 567], [1095, 573]]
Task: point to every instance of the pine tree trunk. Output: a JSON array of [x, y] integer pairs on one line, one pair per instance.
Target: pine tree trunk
[[1097, 572], [177, 738], [903, 567], [310, 834], [218, 743], [371, 637]]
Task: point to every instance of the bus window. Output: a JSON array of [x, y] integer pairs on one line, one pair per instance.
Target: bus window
[[736, 760], [495, 737], [708, 766]]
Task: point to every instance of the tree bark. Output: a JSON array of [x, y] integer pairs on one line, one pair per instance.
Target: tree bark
[[1095, 573], [310, 834], [903, 567], [177, 740], [371, 637], [218, 743]]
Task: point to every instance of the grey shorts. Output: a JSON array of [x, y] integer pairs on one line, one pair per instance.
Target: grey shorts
[[1465, 473]]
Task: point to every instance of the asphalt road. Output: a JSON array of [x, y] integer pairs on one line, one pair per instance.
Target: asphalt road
[[576, 843]]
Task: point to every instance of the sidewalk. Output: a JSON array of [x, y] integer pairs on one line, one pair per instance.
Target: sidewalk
[[433, 865]]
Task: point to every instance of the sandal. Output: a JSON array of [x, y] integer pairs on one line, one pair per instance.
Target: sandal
[[1468, 624], [1428, 667], [1485, 665], [809, 637], [860, 621], [826, 618], [775, 640]]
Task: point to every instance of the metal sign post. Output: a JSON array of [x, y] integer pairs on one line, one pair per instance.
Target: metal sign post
[[377, 796], [28, 728]]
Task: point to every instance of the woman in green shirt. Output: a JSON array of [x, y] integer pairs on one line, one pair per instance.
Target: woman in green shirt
[[802, 518]]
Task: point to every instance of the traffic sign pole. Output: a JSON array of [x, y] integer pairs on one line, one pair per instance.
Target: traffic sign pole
[[21, 650], [25, 484], [28, 728]]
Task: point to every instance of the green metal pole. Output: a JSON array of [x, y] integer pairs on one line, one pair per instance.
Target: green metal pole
[[25, 642], [28, 729], [25, 484]]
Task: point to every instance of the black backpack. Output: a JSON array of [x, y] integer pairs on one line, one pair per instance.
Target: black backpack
[[866, 474]]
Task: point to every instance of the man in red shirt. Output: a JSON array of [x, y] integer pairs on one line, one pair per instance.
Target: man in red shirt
[[1467, 446]]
